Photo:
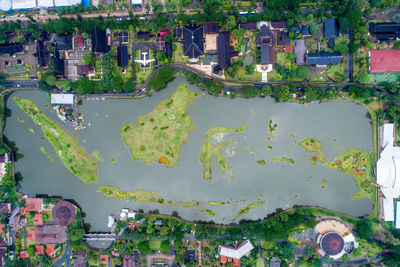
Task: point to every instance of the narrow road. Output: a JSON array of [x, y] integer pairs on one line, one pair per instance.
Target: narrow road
[[259, 251], [65, 258], [350, 56]]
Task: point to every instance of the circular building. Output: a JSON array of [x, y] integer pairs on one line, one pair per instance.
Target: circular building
[[64, 212], [332, 243]]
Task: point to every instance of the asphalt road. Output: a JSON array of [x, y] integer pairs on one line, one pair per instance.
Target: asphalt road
[[65, 258], [22, 84]]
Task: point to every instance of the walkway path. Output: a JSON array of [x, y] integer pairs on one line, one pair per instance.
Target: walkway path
[[65, 258], [260, 250]]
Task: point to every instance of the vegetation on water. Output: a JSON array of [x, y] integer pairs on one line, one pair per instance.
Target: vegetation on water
[[209, 212], [20, 119], [261, 162], [246, 209], [271, 128], [73, 156], [284, 159], [97, 156], [259, 195], [353, 161], [31, 130], [216, 203], [209, 150], [159, 135]]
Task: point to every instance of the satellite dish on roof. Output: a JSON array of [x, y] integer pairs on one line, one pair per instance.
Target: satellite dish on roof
[[5, 5]]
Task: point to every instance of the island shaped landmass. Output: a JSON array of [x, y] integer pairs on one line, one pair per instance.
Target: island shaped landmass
[[74, 157], [210, 150], [159, 135], [353, 161]]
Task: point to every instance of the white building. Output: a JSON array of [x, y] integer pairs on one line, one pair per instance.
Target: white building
[[236, 251], [6, 5], [62, 99], [388, 173]]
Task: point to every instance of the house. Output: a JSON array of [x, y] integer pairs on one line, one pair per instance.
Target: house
[[265, 42], [23, 254], [210, 28], [168, 49], [122, 56], [6, 157], [236, 251], [193, 41], [79, 42], [50, 234], [64, 42], [37, 219], [18, 223], [32, 204], [79, 259], [282, 38], [385, 30], [300, 50], [62, 99], [384, 60], [42, 53], [323, 58], [331, 28], [83, 70], [50, 249], [248, 26], [127, 261], [63, 213], [11, 49], [59, 65], [160, 44], [275, 262], [39, 250], [305, 31], [99, 41], [5, 208], [143, 36], [31, 234], [278, 25], [164, 33], [387, 177], [104, 259], [224, 57]]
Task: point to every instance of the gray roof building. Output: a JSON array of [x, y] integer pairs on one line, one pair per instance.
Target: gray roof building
[[323, 58], [300, 50], [331, 28]]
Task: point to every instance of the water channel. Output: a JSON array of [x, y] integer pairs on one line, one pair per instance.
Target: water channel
[[338, 125]]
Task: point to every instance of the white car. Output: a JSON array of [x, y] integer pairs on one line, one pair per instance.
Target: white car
[[18, 85]]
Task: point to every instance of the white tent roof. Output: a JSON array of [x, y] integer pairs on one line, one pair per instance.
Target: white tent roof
[[137, 2], [45, 3], [397, 218], [66, 2], [236, 253], [23, 4], [387, 134], [65, 99], [5, 5]]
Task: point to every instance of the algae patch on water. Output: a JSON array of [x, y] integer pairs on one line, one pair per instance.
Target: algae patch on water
[[159, 135], [284, 159], [209, 212], [271, 128], [31, 130], [73, 156], [20, 119], [96, 154], [216, 203], [208, 151], [261, 162], [246, 209]]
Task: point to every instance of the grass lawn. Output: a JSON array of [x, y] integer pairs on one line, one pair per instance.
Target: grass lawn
[[74, 157], [177, 55], [260, 262], [141, 75], [337, 73], [155, 244], [317, 79]]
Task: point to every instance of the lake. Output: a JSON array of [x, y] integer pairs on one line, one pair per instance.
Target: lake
[[338, 125]]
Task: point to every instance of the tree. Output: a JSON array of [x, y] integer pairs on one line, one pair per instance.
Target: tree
[[363, 229], [314, 28], [51, 80], [165, 246], [214, 87], [31, 250], [88, 59], [128, 86], [341, 45], [65, 85], [144, 247], [231, 23], [281, 93], [302, 72], [362, 77], [75, 234], [162, 77], [250, 91], [266, 90], [160, 55], [84, 86]]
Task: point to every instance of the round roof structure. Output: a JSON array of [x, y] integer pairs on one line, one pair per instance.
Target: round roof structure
[[332, 243], [63, 213], [5, 5]]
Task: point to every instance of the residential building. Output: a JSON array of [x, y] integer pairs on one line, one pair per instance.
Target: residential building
[[63, 213], [11, 49], [62, 99], [64, 42], [143, 36], [39, 250], [300, 49], [248, 26], [122, 56], [50, 250], [168, 49], [384, 31], [37, 219], [236, 251], [278, 25], [193, 41], [5, 208], [59, 65], [104, 259], [387, 174], [127, 261], [32, 204], [305, 31], [331, 28], [282, 38], [323, 58], [42, 53], [265, 42], [224, 57], [79, 42], [99, 41], [79, 259], [211, 28], [50, 234], [384, 60]]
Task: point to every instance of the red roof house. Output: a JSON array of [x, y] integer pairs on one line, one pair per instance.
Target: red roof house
[[37, 219], [164, 32], [33, 204], [80, 41], [24, 254], [384, 60], [39, 250], [50, 250], [288, 48], [31, 234], [103, 259]]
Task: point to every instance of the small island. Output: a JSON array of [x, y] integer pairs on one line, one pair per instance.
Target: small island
[[209, 150], [74, 157], [246, 209], [284, 159], [159, 135]]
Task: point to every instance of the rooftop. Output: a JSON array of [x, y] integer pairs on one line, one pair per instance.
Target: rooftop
[[99, 41], [64, 212], [50, 234], [384, 60], [193, 41], [122, 56], [332, 243], [331, 28], [63, 99], [64, 42], [236, 251], [323, 58], [11, 49], [224, 57]]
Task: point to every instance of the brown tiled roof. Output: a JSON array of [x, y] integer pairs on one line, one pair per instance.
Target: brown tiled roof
[[50, 250], [127, 261], [39, 250], [103, 259], [80, 259], [31, 234], [33, 204], [50, 234], [24, 254], [64, 212], [37, 219]]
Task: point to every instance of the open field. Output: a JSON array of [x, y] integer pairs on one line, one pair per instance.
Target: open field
[[209, 150], [74, 157], [160, 134]]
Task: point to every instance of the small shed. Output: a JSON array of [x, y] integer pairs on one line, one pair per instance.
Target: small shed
[[62, 99]]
